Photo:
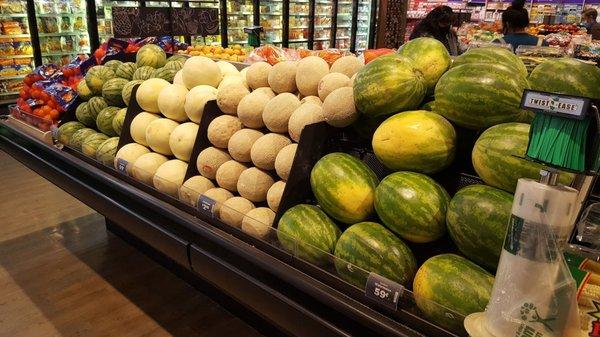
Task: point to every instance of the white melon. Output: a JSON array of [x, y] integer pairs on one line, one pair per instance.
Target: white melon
[[169, 176], [196, 100], [158, 133], [199, 70], [171, 101], [182, 140], [146, 165], [130, 153], [147, 94], [138, 127]]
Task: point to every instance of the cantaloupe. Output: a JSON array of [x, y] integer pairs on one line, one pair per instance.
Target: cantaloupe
[[240, 144], [182, 139], [311, 99], [339, 109], [265, 150], [309, 73], [253, 184], [233, 210], [267, 91], [227, 69], [199, 70], [305, 114], [331, 82], [192, 188], [278, 110], [228, 174], [138, 127], [282, 77], [284, 161], [274, 195], [243, 73], [250, 109], [258, 222], [169, 176], [158, 133], [171, 101], [130, 153], [178, 79], [209, 160], [347, 65], [219, 196], [147, 94], [229, 96], [195, 101], [146, 165], [221, 129], [257, 75]]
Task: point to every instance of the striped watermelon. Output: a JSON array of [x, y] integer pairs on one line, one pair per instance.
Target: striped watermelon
[[387, 85], [151, 55], [344, 187], [165, 73], [66, 131], [127, 88], [429, 56], [308, 233], [91, 143], [494, 55], [111, 91], [143, 73], [82, 113], [107, 150], [479, 95], [175, 65], [413, 206], [126, 70], [118, 121], [567, 76], [419, 141], [113, 64], [448, 287], [95, 105], [177, 57], [96, 76], [105, 119], [373, 248], [83, 91], [79, 136], [476, 219], [497, 157]]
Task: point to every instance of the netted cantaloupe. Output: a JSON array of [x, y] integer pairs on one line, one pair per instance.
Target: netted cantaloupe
[[267, 91], [232, 79], [304, 115], [258, 222], [257, 75], [229, 173], [311, 99], [138, 127], [221, 129], [240, 144], [265, 150], [309, 73], [146, 165], [219, 196], [250, 109], [331, 82], [282, 77], [209, 160], [182, 139], [192, 188], [147, 94], [233, 210], [253, 184], [171, 101], [169, 176], [339, 109], [130, 153], [347, 65], [278, 110], [158, 133], [195, 101], [274, 195], [229, 96], [284, 161]]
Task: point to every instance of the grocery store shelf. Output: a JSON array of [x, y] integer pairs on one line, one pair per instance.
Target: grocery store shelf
[[272, 14], [17, 77], [61, 34], [5, 57], [344, 26], [322, 39], [9, 93], [13, 36], [300, 27], [298, 14], [239, 42], [362, 34], [64, 53], [13, 15], [240, 13], [343, 38], [298, 40], [323, 27]]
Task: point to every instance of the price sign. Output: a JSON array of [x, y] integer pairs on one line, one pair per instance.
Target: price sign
[[206, 205], [383, 290], [562, 105], [122, 165]]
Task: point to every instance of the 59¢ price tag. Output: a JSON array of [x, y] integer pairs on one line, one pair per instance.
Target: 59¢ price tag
[[383, 290]]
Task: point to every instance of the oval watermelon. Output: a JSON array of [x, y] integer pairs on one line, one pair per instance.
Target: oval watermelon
[[105, 119], [497, 157], [387, 85], [91, 143], [344, 187], [113, 64], [127, 89], [479, 95], [96, 76], [111, 91], [308, 233], [151, 55], [82, 113], [567, 76], [420, 141], [83, 91], [66, 131], [95, 105], [165, 73], [413, 206], [107, 151], [79, 136], [175, 65], [126, 70], [477, 218], [143, 73], [494, 55], [448, 287], [373, 248], [429, 56], [118, 121]]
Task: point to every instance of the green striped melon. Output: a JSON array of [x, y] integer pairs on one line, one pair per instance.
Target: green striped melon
[[66, 131], [165, 73], [82, 113], [151, 55], [91, 143], [413, 206], [479, 95], [497, 157], [373, 248], [143, 73], [83, 91], [96, 76], [448, 287], [175, 65], [567, 76], [387, 85], [420, 141], [429, 56], [177, 57], [494, 55], [107, 151], [127, 89], [113, 64], [477, 218], [111, 91], [79, 136], [126, 70], [118, 121], [105, 119], [95, 105], [344, 187], [427, 106], [308, 233]]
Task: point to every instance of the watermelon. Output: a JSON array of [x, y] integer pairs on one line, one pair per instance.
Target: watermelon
[[175, 65], [427, 106], [373, 248], [448, 287], [494, 55], [83, 91], [344, 187], [107, 150], [143, 73], [95, 105], [66, 131], [79, 136], [477, 218], [91, 143], [111, 91], [118, 121], [151, 55], [177, 57], [96, 76], [429, 56], [413, 206], [126, 70], [165, 73], [567, 76], [127, 88], [420, 141], [105, 119], [113, 64], [387, 85], [308, 233], [497, 157], [82, 113]]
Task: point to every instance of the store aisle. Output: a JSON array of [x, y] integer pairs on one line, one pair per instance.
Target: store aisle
[[63, 274]]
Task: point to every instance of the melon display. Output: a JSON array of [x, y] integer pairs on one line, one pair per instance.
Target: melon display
[[96, 76], [278, 110], [125, 70], [150, 55], [253, 184], [82, 113], [199, 70], [105, 153], [209, 160], [192, 188], [113, 64], [91, 143], [66, 131], [429, 56], [370, 246], [493, 55], [339, 109], [130, 153], [347, 65], [233, 211], [182, 139], [138, 127], [127, 89], [169, 176], [171, 101], [265, 149], [309, 72], [413, 206], [274, 195], [282, 77], [104, 121], [112, 91], [257, 75], [145, 166], [83, 91], [118, 121], [158, 133], [143, 73], [258, 222], [167, 74], [344, 187], [79, 136], [308, 233], [567, 76], [147, 94]]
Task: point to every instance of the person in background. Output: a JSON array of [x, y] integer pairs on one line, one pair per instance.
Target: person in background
[[514, 21], [438, 25], [589, 19]]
